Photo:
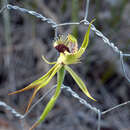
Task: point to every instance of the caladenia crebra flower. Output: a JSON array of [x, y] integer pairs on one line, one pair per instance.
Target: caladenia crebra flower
[[69, 54]]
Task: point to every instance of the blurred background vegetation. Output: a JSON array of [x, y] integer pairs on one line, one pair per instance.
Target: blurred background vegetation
[[24, 39]]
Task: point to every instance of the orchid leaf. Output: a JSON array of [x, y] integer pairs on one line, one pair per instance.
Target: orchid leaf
[[79, 82]]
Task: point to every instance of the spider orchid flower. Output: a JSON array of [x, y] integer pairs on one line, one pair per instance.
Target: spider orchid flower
[[69, 54]]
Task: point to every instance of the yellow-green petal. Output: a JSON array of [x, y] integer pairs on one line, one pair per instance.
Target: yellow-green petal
[[79, 82], [85, 42], [48, 62]]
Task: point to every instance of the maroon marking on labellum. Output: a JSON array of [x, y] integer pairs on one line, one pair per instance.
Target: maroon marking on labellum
[[62, 48]]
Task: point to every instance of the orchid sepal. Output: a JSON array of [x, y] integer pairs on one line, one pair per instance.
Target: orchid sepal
[[79, 82]]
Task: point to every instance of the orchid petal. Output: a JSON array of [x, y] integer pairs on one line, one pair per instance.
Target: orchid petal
[[79, 82], [48, 62], [85, 42]]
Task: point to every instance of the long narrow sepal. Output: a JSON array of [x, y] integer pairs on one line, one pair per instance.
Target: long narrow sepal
[[24, 89], [31, 99], [79, 82], [53, 99], [37, 82]]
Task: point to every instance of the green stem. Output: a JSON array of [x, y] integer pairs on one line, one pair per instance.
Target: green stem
[[51, 103], [75, 10]]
